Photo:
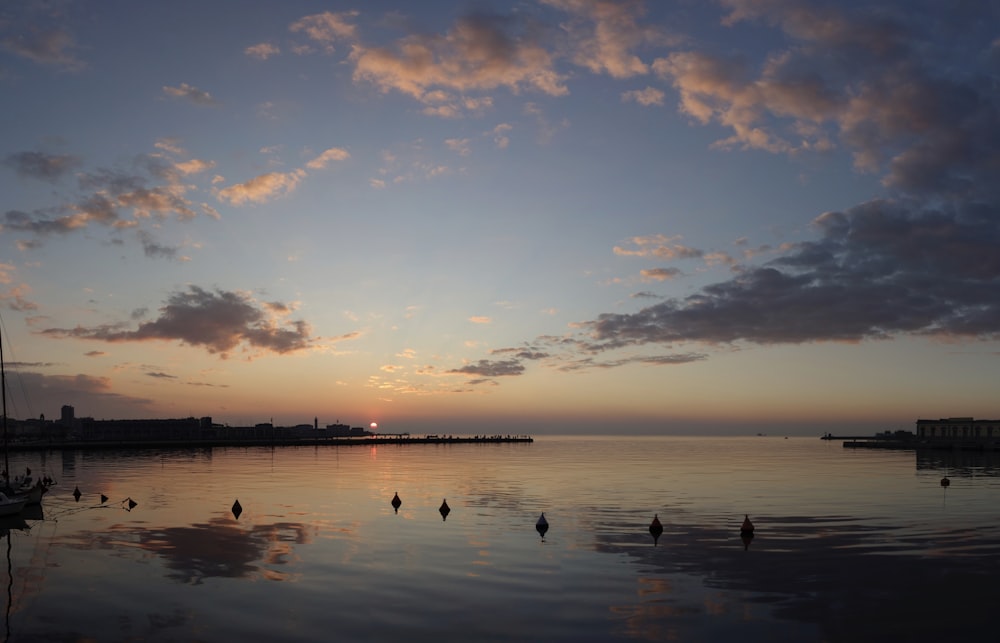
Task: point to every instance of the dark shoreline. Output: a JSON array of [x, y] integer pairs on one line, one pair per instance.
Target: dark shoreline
[[90, 445]]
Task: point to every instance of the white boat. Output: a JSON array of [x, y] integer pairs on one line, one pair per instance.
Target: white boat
[[11, 506], [11, 502], [32, 493]]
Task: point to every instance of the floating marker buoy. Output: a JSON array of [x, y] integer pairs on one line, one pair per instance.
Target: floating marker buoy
[[945, 481], [655, 528], [746, 532], [104, 498], [396, 501], [542, 525], [77, 494], [445, 509], [132, 504], [237, 509]]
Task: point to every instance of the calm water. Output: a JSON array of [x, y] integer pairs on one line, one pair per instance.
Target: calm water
[[850, 545]]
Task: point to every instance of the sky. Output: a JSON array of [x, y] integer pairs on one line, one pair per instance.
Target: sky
[[543, 216]]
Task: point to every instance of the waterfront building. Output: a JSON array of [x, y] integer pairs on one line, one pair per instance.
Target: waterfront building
[[958, 430]]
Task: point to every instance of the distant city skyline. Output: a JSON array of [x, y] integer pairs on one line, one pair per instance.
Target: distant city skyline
[[561, 216]]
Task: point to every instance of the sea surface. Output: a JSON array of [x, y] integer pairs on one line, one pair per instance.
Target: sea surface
[[850, 545]]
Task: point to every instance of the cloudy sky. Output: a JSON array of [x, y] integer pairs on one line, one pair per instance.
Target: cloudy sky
[[542, 215]]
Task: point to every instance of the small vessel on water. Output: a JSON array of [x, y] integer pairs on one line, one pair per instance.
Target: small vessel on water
[[11, 506], [22, 488]]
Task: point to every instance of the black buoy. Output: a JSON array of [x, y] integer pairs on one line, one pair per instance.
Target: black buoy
[[945, 481], [746, 532], [445, 509], [542, 525], [237, 509], [77, 494], [131, 504], [655, 528], [396, 501], [104, 498]]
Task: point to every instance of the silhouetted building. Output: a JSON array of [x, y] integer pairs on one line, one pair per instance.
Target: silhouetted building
[[960, 430]]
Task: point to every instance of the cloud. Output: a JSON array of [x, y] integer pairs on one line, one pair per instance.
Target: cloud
[[16, 298], [326, 28], [45, 46], [480, 319], [261, 188], [219, 321], [487, 368], [522, 353], [192, 94], [645, 97], [479, 53], [872, 81], [658, 246], [660, 274], [877, 271], [604, 33], [160, 200], [917, 262], [194, 166], [330, 155], [262, 51], [459, 145], [588, 363], [39, 165], [155, 250], [86, 393], [501, 136]]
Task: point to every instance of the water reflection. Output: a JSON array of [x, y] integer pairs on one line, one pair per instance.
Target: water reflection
[[218, 548], [852, 581], [962, 464], [9, 527], [837, 535]]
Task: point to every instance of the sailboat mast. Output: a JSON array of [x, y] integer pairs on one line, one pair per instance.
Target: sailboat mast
[[3, 394]]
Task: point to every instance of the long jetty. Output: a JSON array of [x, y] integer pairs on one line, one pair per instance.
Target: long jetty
[[276, 441], [912, 442]]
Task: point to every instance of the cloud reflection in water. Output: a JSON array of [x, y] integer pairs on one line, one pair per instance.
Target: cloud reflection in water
[[218, 548]]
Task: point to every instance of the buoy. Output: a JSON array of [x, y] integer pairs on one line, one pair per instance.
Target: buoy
[[542, 525], [746, 537], [396, 502], [237, 509], [655, 528], [445, 509], [77, 494], [104, 498], [132, 504], [747, 527], [945, 481]]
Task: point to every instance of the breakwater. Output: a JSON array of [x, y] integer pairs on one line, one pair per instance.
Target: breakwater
[[277, 441], [914, 443]]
